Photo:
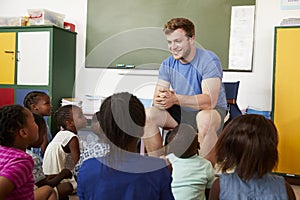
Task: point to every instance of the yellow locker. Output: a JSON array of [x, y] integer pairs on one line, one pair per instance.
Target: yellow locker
[[7, 57], [286, 98]]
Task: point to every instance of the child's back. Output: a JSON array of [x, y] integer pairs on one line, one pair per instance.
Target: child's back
[[56, 158], [122, 173], [192, 174], [248, 146], [265, 188]]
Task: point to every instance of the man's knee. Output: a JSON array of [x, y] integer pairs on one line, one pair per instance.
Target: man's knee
[[148, 117], [155, 116], [151, 114], [153, 111], [208, 121]]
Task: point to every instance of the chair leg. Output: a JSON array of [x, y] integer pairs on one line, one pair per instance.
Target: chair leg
[[142, 148]]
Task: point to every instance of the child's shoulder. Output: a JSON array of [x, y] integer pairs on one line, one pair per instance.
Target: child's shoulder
[[13, 152], [65, 133], [195, 158], [12, 157], [35, 157], [63, 137]]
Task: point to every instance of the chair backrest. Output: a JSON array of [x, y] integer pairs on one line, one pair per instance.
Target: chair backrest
[[231, 89]]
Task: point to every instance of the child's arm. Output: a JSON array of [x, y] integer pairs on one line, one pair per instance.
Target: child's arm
[[6, 187], [290, 191], [45, 143], [74, 149], [55, 180], [215, 190], [168, 163], [207, 191], [210, 179]]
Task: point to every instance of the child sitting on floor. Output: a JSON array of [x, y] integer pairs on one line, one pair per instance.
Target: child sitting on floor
[[248, 146], [17, 131], [38, 102], [122, 173], [62, 189], [64, 151], [192, 174]]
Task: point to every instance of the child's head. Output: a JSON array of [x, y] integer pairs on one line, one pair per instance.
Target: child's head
[[38, 102], [70, 117], [248, 144], [122, 119], [39, 120], [95, 126], [18, 128], [182, 141]]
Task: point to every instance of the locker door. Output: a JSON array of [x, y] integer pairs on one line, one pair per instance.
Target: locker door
[[7, 57], [286, 98], [33, 59]]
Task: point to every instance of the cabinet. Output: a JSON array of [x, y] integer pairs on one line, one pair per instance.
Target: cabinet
[[36, 58], [286, 95]]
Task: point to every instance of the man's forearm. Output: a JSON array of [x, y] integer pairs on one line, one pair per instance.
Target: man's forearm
[[197, 102]]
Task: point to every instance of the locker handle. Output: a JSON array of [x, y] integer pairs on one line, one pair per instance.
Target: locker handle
[[8, 51]]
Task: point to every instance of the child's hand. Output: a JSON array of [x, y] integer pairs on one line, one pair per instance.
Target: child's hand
[[66, 173]]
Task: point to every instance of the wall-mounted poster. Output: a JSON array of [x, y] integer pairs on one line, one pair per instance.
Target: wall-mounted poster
[[241, 37]]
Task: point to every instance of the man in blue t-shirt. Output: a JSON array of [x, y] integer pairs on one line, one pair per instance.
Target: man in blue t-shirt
[[189, 90]]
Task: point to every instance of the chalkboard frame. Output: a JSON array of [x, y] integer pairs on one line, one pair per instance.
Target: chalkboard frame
[[130, 32]]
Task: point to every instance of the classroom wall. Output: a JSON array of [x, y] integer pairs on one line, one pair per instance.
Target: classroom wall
[[255, 87]]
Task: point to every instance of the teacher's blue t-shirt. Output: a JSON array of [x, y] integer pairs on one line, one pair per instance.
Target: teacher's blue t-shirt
[[186, 79]]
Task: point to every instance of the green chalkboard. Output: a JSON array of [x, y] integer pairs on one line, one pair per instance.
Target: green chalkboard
[[130, 31]]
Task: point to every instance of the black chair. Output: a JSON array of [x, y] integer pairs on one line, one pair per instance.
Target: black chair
[[231, 89]]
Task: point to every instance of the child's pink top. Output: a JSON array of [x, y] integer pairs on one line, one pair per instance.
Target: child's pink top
[[16, 165]]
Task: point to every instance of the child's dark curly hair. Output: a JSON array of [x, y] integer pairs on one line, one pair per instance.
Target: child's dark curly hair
[[64, 114], [12, 119], [32, 98]]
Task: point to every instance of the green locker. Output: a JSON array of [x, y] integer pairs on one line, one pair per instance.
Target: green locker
[[44, 58]]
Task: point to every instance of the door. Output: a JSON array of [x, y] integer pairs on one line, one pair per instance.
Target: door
[[33, 58], [7, 57], [286, 98]]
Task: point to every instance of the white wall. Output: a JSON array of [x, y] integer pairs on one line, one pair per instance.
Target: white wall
[[255, 87]]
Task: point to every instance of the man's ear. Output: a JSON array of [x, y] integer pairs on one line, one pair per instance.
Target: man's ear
[[192, 39]]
